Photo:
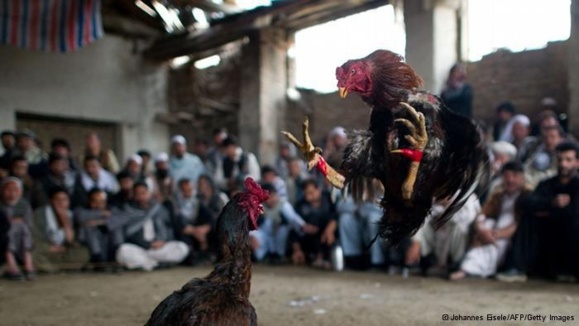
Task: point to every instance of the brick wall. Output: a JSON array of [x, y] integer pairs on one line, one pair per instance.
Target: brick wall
[[327, 111], [523, 78]]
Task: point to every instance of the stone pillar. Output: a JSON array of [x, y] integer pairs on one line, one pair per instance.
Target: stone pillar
[[573, 70], [263, 89], [432, 32]]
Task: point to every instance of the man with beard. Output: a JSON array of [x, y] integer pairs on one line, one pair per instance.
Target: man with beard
[[555, 202], [164, 183], [183, 164], [8, 139], [59, 176], [148, 234]]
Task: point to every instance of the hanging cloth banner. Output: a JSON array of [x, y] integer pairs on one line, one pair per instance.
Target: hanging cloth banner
[[50, 25]]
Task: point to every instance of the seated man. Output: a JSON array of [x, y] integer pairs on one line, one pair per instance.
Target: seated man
[[555, 206], [193, 221], [93, 176], [318, 210], [358, 227], [125, 193], [430, 246], [148, 236], [542, 163], [296, 175], [211, 197], [16, 221], [270, 175], [279, 216], [495, 225], [94, 231], [19, 169], [58, 175], [55, 245]]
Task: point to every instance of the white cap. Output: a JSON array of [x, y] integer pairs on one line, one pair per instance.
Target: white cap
[[178, 139], [522, 119], [162, 157], [503, 147], [8, 180], [135, 158], [548, 101], [338, 131]]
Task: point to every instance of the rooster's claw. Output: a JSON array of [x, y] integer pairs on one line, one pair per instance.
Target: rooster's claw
[[418, 138], [313, 157]]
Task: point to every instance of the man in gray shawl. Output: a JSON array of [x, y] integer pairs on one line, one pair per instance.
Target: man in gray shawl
[[148, 236]]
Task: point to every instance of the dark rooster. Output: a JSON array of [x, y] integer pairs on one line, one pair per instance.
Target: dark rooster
[[221, 298], [415, 146]]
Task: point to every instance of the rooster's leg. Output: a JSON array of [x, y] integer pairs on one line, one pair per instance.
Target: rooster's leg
[[418, 138], [313, 156]]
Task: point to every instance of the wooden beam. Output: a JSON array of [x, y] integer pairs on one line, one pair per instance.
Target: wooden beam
[[229, 29], [290, 15], [135, 12], [208, 5], [216, 105], [325, 16]]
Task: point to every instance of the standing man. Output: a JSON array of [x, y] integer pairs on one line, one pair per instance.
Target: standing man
[[183, 165], [93, 147], [458, 93], [556, 203]]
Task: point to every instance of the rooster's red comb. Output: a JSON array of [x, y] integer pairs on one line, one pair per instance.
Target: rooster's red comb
[[255, 189]]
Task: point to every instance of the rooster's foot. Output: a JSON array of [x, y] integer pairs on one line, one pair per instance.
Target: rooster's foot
[[313, 157], [418, 138]]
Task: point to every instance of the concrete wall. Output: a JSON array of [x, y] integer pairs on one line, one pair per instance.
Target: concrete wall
[[523, 78], [431, 39], [103, 82]]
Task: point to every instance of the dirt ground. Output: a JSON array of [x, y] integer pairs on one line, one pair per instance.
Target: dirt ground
[[285, 296]]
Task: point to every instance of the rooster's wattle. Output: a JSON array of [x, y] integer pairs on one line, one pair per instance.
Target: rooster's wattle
[[221, 298]]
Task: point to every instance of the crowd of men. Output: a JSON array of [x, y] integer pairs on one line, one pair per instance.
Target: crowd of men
[[68, 211]]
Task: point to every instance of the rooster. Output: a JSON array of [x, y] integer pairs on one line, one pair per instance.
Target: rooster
[[221, 298], [415, 146]]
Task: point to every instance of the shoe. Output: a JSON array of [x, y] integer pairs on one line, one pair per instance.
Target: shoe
[[392, 270], [273, 259], [566, 279], [18, 276], [512, 275], [31, 276], [405, 272]]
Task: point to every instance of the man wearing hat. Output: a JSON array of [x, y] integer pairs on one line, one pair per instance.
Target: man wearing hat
[[164, 184], [146, 157], [183, 165], [36, 158], [16, 241]]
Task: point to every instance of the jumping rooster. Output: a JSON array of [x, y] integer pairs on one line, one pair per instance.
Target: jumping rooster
[[221, 298], [415, 146]]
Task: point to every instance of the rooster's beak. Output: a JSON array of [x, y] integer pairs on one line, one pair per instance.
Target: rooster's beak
[[343, 92]]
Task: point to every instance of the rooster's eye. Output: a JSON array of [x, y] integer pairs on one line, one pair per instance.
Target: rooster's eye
[[353, 71]]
